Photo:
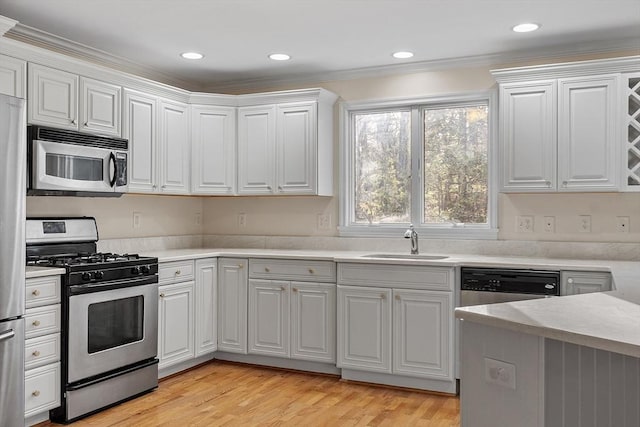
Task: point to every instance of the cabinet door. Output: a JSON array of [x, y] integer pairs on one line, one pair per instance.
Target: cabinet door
[[139, 127], [100, 107], [296, 148], [175, 323], [256, 149], [232, 305], [528, 136], [53, 97], [213, 139], [588, 150], [313, 321], [175, 148], [584, 282], [423, 334], [269, 317], [13, 76], [364, 328], [206, 306]]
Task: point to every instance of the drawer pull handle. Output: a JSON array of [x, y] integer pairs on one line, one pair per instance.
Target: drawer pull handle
[[35, 293], [36, 393], [267, 269], [295, 289], [161, 295], [36, 323], [36, 353], [311, 271]]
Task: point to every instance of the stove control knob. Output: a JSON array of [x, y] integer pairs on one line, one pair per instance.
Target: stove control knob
[[86, 276], [98, 275], [135, 270], [145, 269]]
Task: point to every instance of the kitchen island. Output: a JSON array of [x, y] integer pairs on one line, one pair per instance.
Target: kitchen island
[[569, 361]]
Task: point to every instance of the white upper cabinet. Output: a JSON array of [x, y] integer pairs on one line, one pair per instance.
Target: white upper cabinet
[[560, 126], [175, 147], [213, 149], [65, 100], [13, 76], [100, 107], [256, 149], [296, 148], [139, 127], [528, 136], [53, 97], [588, 149]]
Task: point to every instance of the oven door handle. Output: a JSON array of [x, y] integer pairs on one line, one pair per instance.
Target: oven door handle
[[112, 161], [88, 288], [7, 334]]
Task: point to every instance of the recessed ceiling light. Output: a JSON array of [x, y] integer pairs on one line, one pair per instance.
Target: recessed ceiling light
[[279, 57], [526, 27], [403, 55], [192, 55]]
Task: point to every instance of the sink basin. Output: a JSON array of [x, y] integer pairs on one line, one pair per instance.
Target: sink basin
[[406, 256]]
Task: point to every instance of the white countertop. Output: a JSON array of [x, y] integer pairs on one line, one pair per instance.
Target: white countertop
[[31, 272]]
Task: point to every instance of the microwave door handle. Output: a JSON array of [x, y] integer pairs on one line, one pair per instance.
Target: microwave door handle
[[112, 159]]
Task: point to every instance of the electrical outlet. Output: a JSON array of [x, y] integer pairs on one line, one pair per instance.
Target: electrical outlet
[[525, 224], [242, 220], [198, 218], [324, 222], [584, 224], [500, 373], [549, 224], [137, 219], [622, 224]]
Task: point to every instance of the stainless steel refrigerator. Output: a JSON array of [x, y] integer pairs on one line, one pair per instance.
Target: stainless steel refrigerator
[[13, 170]]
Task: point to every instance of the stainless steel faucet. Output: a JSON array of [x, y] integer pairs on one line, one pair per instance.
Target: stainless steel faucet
[[413, 235]]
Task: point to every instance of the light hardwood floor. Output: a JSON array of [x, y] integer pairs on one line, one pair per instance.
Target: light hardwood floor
[[228, 394]]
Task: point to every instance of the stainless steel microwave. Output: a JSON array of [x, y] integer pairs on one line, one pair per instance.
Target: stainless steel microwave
[[64, 162]]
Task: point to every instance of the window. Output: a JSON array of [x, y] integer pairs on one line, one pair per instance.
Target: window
[[426, 162]]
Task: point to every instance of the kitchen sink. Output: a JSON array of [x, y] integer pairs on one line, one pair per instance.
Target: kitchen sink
[[406, 256]]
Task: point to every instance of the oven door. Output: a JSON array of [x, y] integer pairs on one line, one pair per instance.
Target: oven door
[[68, 167], [111, 325]]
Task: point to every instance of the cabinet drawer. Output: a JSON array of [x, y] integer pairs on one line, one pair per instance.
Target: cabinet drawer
[[41, 351], [42, 291], [175, 272], [41, 389], [300, 270], [42, 320], [396, 276]]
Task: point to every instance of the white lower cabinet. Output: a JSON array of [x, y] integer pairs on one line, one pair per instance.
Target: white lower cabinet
[[206, 301], [232, 305], [398, 331], [42, 347], [584, 282], [175, 323], [269, 317]]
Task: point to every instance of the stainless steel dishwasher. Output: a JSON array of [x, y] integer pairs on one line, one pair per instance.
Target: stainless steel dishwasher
[[493, 285]]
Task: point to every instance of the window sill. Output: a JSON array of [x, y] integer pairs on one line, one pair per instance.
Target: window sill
[[445, 232]]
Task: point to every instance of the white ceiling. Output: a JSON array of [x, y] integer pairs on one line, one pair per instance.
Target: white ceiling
[[324, 37]]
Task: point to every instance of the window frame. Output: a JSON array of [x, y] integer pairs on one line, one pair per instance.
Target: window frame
[[348, 228]]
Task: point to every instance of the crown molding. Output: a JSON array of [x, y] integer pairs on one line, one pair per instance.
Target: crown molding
[[42, 39], [6, 24]]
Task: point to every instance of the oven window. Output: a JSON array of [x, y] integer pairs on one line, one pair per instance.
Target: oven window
[[74, 167], [115, 323]]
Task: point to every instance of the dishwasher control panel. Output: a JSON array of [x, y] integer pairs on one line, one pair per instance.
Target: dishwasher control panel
[[533, 282]]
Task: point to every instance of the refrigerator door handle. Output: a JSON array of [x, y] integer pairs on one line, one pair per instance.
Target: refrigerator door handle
[[7, 334]]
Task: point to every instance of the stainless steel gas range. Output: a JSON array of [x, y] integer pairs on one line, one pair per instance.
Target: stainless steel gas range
[[110, 316]]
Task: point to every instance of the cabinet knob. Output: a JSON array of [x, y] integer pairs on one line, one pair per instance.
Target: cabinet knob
[[163, 187], [267, 269], [295, 289], [564, 183], [398, 297], [161, 295], [311, 271], [35, 293], [178, 272], [383, 296], [36, 393], [36, 323], [282, 288], [240, 266], [154, 186], [269, 187], [279, 187], [86, 124], [569, 280], [73, 121], [36, 353], [547, 183]]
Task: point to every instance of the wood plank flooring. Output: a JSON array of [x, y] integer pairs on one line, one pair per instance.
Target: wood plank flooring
[[228, 394]]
